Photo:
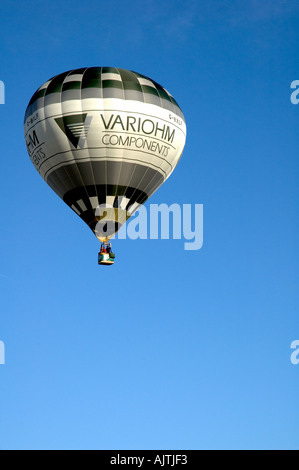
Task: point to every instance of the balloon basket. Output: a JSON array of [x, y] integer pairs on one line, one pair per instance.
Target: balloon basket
[[106, 259]]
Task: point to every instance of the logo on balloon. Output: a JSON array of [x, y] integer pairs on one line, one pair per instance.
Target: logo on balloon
[[75, 128]]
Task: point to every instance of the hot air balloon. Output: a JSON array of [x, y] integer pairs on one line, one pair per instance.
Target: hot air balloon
[[104, 139]]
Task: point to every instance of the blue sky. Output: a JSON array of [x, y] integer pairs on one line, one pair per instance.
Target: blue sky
[[168, 349]]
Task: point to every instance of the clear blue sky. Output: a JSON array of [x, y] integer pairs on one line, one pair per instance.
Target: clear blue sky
[[190, 350]]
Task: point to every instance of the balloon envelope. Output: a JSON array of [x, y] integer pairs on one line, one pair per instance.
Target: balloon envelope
[[104, 139]]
